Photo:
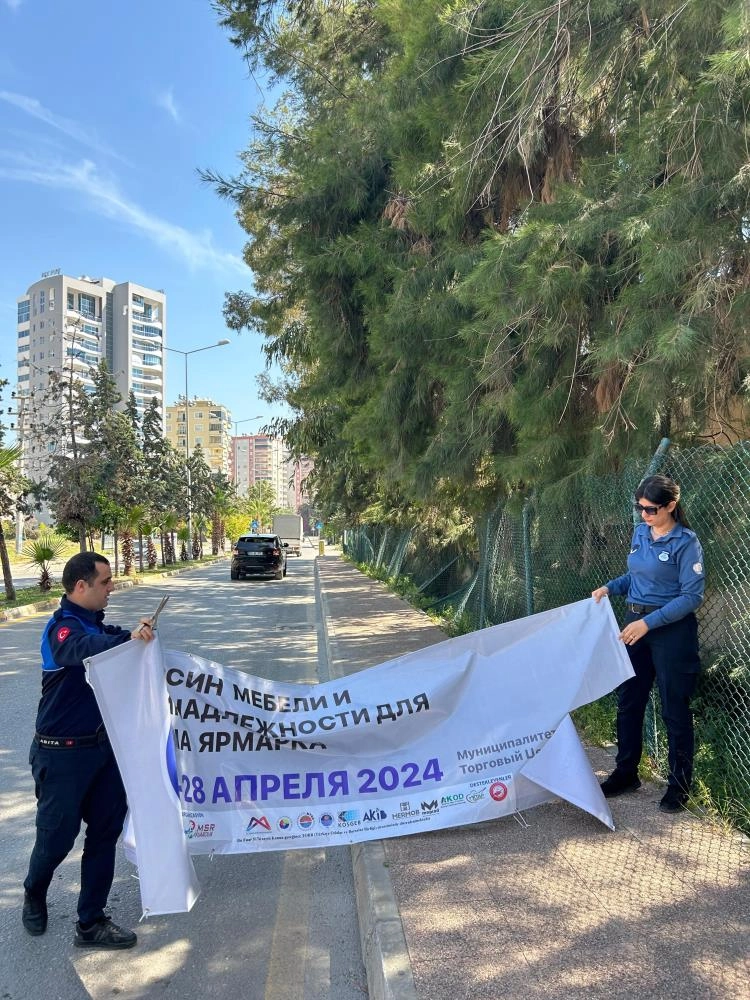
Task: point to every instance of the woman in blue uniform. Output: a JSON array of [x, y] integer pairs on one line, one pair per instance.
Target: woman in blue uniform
[[664, 586]]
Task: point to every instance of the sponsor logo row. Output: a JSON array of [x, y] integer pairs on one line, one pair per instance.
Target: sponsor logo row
[[497, 790], [355, 817]]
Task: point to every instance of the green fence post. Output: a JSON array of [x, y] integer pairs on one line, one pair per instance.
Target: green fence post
[[482, 570], [651, 733], [527, 564]]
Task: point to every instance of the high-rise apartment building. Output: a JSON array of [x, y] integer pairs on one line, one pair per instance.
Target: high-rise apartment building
[[260, 458], [208, 424], [67, 326]]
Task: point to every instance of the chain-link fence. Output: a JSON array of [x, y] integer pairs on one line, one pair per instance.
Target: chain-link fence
[[556, 546]]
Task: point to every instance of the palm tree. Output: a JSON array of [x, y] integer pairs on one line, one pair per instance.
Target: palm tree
[[183, 537], [41, 552], [148, 528], [222, 506], [133, 522], [169, 524]]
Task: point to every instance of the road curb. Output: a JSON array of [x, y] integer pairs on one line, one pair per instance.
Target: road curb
[[381, 933]]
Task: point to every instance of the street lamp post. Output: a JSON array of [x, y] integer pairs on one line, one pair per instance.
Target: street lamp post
[[246, 421], [195, 350]]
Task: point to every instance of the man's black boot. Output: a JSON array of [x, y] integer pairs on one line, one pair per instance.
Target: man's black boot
[[34, 914], [618, 783]]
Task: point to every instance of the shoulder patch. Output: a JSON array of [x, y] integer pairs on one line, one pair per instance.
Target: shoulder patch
[[697, 567], [663, 557], [63, 633]]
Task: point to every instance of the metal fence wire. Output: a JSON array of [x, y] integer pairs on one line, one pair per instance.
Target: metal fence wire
[[556, 546]]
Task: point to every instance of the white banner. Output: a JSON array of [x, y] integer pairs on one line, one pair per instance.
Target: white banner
[[467, 730]]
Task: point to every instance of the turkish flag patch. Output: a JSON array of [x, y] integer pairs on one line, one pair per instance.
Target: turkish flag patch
[[63, 633]]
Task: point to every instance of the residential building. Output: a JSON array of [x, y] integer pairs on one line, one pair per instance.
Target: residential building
[[297, 473], [260, 458], [67, 326], [208, 424]]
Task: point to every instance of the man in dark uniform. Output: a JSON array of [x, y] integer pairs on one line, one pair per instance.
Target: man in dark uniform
[[75, 773]]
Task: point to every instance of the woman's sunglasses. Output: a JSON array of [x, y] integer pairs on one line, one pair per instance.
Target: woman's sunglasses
[[647, 509]]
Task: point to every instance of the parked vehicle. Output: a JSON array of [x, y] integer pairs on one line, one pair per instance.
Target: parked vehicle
[[258, 555], [289, 529]]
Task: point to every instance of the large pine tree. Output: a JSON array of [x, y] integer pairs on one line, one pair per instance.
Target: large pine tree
[[496, 243]]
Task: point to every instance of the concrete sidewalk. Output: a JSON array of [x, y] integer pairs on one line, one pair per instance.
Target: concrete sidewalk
[[547, 904]]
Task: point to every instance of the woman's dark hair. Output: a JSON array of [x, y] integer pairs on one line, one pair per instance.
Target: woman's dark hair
[[81, 567], [662, 490]]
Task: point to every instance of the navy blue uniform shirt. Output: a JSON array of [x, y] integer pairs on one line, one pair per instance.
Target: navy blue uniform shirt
[[68, 706], [666, 573]]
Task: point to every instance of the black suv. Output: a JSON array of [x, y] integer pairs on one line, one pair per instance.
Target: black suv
[[258, 555]]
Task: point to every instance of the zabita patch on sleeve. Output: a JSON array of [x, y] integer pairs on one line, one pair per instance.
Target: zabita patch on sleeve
[[63, 633], [697, 567]]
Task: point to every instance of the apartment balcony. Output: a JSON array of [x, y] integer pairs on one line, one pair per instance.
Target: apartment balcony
[[76, 313], [138, 316]]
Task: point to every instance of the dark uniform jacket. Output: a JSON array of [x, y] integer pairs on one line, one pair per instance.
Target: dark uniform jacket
[[68, 706]]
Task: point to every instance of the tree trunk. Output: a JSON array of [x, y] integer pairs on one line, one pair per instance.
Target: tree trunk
[[10, 590]]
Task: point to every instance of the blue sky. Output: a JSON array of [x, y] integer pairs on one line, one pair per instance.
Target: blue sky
[[107, 109]]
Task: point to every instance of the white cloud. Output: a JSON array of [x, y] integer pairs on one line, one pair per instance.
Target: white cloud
[[103, 196], [166, 101], [31, 106]]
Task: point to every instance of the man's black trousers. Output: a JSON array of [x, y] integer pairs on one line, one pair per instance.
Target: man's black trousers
[[75, 785]]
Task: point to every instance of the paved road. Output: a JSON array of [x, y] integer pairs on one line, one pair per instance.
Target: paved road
[[272, 926]]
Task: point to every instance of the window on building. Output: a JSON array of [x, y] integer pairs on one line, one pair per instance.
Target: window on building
[[24, 311], [87, 305], [137, 300], [71, 300], [41, 300]]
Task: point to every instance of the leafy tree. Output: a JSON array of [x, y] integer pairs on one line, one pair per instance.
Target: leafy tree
[[259, 504], [494, 244], [201, 498], [73, 477]]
